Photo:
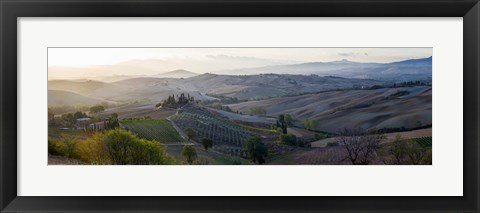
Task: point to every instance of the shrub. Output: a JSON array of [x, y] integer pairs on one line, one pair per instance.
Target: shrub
[[92, 151], [332, 144], [125, 149], [55, 148], [288, 139], [64, 146], [97, 108], [189, 153], [256, 149], [207, 143]]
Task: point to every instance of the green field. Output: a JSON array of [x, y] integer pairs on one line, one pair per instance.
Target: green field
[[153, 129], [424, 141]]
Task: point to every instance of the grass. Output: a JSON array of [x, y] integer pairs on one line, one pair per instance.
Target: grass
[[424, 141], [153, 129]]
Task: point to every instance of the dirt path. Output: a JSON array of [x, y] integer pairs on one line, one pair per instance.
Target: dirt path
[[390, 137]]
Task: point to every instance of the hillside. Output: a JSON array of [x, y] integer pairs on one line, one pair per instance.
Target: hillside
[[263, 86], [59, 98], [353, 108], [88, 88], [241, 87]]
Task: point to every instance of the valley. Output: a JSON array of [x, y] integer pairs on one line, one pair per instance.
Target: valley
[[269, 118]]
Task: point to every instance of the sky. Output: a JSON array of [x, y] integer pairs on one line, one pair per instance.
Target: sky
[[71, 63]]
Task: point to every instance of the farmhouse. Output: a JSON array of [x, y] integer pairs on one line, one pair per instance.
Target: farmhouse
[[100, 125]]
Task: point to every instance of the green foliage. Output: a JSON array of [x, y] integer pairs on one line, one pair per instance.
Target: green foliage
[[69, 118], [417, 153], [424, 141], [113, 121], [288, 139], [282, 123], [64, 146], [123, 148], [288, 119], [398, 151], [153, 129], [111, 147], [191, 134], [413, 151], [97, 108], [207, 143], [319, 136], [258, 111], [78, 115], [256, 150], [189, 153], [178, 102], [93, 151], [311, 124]]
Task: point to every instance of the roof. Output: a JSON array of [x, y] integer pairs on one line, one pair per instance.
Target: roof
[[83, 119]]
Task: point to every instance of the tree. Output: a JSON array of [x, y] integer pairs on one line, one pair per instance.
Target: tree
[[69, 118], [97, 108], [78, 115], [360, 147], [288, 139], [256, 150], [189, 153], [124, 148], [398, 151], [191, 134], [258, 111], [311, 124], [113, 121], [51, 115], [416, 152], [281, 123], [207, 143], [289, 119]]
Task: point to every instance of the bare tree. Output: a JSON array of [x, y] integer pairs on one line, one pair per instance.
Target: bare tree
[[361, 148]]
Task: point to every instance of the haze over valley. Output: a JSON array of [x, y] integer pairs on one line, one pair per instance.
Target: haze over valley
[[292, 104]]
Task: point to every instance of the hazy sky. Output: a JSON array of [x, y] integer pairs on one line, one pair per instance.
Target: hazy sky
[[91, 62]]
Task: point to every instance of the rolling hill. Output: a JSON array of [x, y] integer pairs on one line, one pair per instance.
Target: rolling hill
[[242, 87], [59, 98], [388, 107], [407, 70]]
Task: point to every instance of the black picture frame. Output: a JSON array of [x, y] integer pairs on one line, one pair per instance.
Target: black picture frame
[[10, 10]]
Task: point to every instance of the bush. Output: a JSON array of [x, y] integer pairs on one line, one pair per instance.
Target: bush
[[97, 108], [64, 146], [332, 144], [288, 139], [256, 149], [189, 153], [55, 148], [93, 151], [125, 149]]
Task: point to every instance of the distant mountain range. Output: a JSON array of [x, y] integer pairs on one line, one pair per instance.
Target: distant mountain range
[[407, 70], [176, 74]]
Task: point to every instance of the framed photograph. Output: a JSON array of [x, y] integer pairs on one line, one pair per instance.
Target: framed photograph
[[227, 106]]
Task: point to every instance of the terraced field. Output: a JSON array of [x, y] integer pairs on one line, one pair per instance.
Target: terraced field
[[315, 156], [153, 129], [227, 136], [424, 141]]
